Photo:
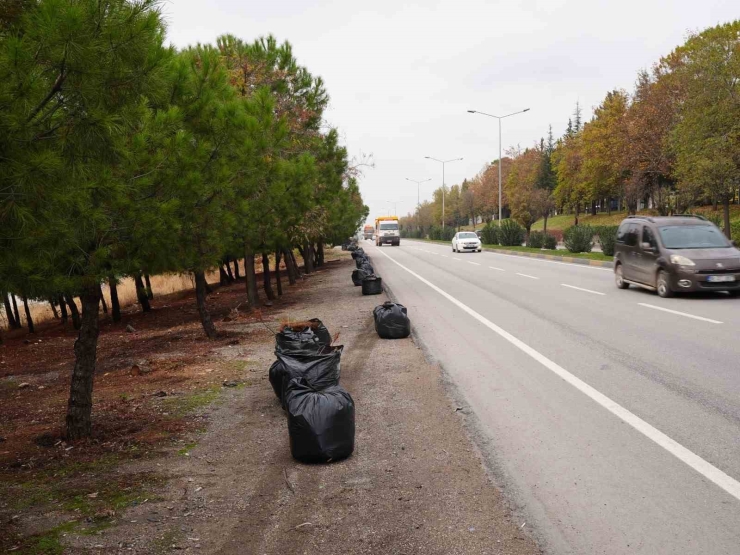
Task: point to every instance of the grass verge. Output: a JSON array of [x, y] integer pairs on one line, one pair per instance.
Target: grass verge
[[585, 255]]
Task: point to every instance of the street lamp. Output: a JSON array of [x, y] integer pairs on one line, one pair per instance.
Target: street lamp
[[418, 197], [443, 162], [499, 118]]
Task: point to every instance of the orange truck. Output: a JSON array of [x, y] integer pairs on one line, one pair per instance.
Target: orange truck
[[368, 231], [386, 231]]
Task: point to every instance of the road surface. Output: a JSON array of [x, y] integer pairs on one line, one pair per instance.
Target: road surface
[[611, 417]]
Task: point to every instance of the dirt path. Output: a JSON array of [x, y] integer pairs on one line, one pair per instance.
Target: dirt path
[[415, 483]]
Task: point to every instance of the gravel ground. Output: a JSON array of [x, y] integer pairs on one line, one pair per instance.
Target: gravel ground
[[415, 484]]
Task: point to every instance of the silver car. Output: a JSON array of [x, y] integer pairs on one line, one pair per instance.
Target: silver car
[[466, 241]]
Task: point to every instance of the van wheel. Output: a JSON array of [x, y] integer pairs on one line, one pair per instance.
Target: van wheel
[[663, 285], [619, 278]]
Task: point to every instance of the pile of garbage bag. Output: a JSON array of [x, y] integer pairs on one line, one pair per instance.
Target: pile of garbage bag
[[392, 321], [305, 378], [372, 285]]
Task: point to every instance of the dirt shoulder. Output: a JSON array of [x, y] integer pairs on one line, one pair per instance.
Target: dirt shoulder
[[415, 483]]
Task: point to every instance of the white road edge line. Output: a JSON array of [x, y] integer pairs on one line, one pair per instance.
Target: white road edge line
[[681, 313], [582, 289], [475, 263], [706, 469], [527, 276], [499, 269]]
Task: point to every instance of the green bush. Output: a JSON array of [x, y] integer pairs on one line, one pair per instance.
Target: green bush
[[550, 242], [607, 237], [438, 234], [579, 238], [716, 218], [489, 234], [536, 240], [735, 230], [511, 234]]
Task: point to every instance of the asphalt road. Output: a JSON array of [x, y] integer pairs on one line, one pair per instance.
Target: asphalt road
[[613, 423]]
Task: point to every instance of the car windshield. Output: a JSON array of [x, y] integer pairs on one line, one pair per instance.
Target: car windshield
[[467, 236], [389, 225], [693, 237]]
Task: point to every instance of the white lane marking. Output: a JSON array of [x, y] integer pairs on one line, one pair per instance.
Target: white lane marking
[[475, 263], [526, 275], [453, 258], [706, 469], [444, 256], [499, 269], [571, 264], [680, 313], [582, 289]]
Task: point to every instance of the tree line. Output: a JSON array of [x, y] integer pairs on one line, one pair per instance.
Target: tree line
[[122, 156], [673, 144]]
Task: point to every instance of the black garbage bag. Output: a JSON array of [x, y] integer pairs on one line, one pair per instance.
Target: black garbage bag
[[392, 321], [367, 267], [372, 285], [321, 422], [358, 252], [320, 370], [310, 335], [359, 275], [360, 260]]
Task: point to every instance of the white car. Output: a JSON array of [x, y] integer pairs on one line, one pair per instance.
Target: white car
[[464, 241]]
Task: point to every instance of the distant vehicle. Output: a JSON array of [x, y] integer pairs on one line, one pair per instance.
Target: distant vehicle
[[368, 231], [465, 241], [479, 233], [386, 231], [675, 254]]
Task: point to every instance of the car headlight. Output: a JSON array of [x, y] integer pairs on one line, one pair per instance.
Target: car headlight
[[681, 260]]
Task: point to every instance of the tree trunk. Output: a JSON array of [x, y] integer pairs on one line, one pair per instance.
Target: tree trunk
[[53, 308], [289, 267], [320, 251], [29, 320], [266, 281], [102, 300], [141, 293], [726, 207], [296, 268], [115, 306], [200, 297], [228, 271], [544, 227], [76, 321], [15, 310], [307, 255], [222, 277], [62, 309], [277, 273], [79, 408], [252, 298], [236, 270], [149, 291], [12, 322]]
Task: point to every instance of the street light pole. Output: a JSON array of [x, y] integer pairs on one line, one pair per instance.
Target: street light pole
[[499, 118], [443, 162], [418, 189]]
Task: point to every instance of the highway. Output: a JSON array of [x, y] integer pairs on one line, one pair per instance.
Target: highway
[[611, 418]]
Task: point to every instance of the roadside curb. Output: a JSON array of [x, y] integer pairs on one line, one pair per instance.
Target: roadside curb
[[569, 259], [557, 258]]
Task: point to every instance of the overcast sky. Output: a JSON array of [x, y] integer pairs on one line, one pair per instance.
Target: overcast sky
[[401, 75]]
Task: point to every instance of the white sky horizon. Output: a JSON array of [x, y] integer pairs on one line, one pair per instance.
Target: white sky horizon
[[402, 75]]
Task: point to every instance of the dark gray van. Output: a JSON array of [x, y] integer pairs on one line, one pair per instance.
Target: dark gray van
[[675, 254]]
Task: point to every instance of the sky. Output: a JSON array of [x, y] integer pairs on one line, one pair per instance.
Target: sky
[[402, 75]]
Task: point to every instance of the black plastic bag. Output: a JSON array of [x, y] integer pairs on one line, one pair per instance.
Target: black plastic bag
[[358, 252], [372, 285], [311, 337], [359, 275], [360, 260], [367, 267], [320, 370], [321, 422], [391, 321]]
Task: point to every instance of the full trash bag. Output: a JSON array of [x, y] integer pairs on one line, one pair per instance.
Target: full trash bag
[[372, 285], [367, 267], [310, 335], [358, 252], [359, 275], [320, 370], [321, 422], [360, 260], [392, 321]]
